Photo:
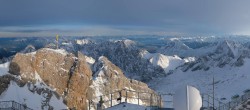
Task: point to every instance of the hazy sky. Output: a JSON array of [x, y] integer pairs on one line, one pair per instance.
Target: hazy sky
[[123, 17]]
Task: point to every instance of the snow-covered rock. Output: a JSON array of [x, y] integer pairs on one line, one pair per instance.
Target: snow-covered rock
[[177, 47], [108, 78], [227, 53], [83, 41], [126, 55], [69, 76], [29, 49], [168, 63]]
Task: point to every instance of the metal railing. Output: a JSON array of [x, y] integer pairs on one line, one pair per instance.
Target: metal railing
[[210, 103], [207, 102], [148, 99], [238, 101], [13, 105]]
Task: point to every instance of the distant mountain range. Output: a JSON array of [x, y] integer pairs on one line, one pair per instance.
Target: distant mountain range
[[164, 63]]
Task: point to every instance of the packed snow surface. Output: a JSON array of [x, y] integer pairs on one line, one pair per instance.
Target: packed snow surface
[[127, 106], [229, 81], [60, 51], [22, 95]]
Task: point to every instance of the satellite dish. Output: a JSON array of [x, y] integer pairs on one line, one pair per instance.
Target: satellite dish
[[187, 98]]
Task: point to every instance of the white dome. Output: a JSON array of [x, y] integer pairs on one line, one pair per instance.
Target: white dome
[[187, 98]]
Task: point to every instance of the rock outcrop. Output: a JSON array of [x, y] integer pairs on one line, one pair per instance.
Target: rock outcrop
[[70, 77], [67, 74]]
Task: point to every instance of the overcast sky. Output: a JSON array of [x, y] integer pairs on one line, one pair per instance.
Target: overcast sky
[[123, 17]]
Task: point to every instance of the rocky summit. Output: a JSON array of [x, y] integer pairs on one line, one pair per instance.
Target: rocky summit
[[67, 74], [69, 77]]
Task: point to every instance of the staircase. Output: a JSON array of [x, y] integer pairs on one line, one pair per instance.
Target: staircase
[[12, 105]]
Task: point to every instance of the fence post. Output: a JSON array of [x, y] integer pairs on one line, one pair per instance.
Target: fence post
[[202, 97], [219, 105], [12, 104], [151, 99], [126, 100], [138, 99], [160, 101], [99, 105], [208, 101], [111, 100], [89, 104], [120, 96]]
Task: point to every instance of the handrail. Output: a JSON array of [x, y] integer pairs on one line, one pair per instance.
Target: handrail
[[231, 104], [240, 100], [13, 105], [152, 99]]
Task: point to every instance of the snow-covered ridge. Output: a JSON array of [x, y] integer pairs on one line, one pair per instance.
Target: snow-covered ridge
[[177, 47], [126, 55], [59, 51], [90, 60], [29, 49], [166, 62], [226, 53], [83, 41]]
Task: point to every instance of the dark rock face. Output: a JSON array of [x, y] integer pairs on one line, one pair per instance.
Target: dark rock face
[[54, 68], [5, 81]]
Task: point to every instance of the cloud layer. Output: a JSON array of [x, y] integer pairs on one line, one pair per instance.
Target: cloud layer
[[124, 16]]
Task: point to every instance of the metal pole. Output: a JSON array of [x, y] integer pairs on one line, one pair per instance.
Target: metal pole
[[213, 92]]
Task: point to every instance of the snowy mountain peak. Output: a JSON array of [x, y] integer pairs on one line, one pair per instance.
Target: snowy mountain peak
[[177, 44], [175, 47], [229, 48], [29, 49], [83, 41], [126, 43]]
